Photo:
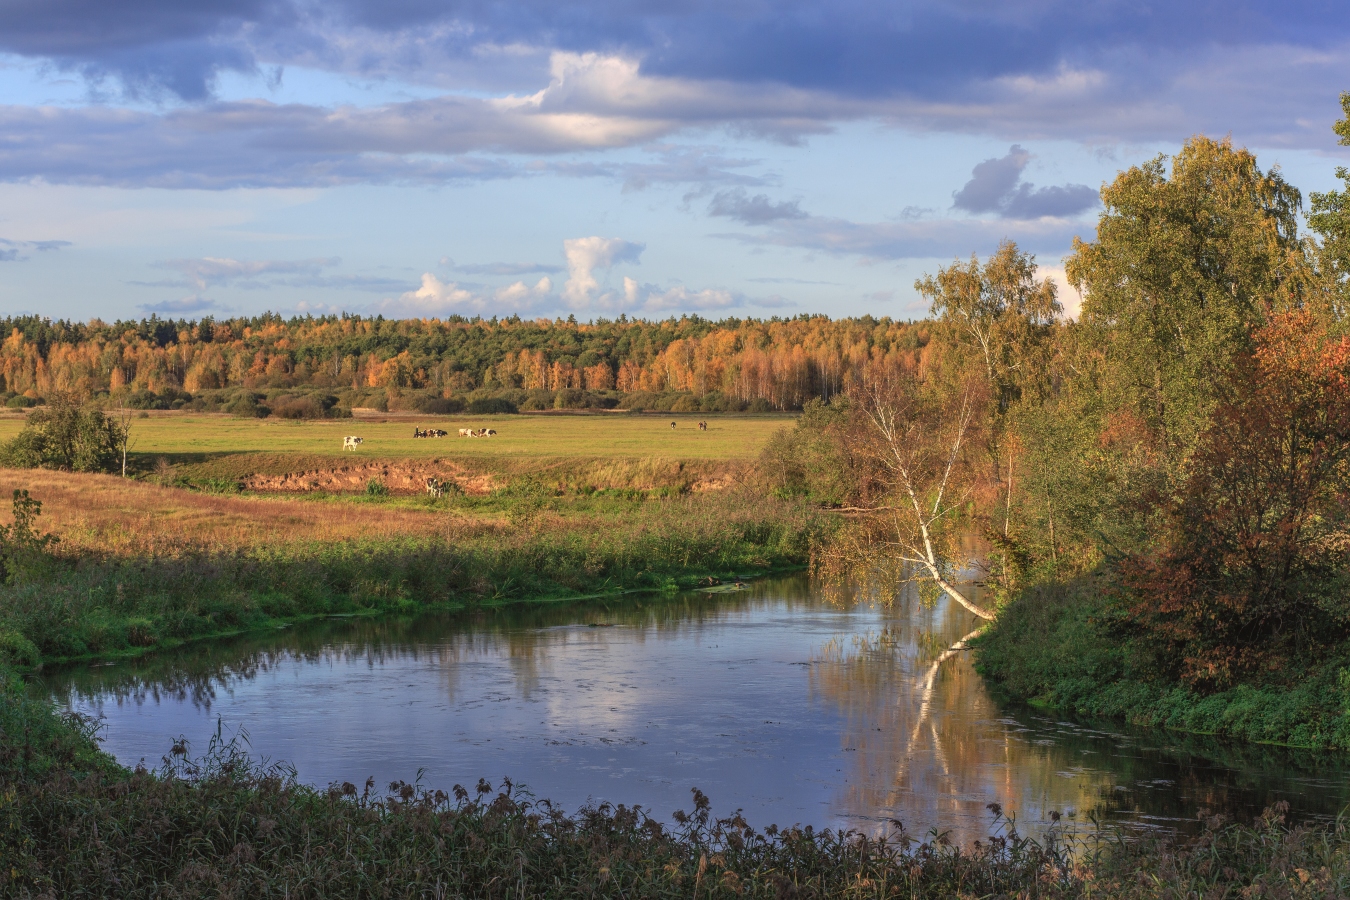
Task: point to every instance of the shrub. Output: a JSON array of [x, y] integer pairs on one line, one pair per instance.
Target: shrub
[[297, 408], [17, 650], [65, 436], [19, 401], [376, 488], [247, 406], [440, 406], [307, 406], [487, 406], [571, 398]]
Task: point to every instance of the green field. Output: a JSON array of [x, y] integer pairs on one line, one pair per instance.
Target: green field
[[613, 436]]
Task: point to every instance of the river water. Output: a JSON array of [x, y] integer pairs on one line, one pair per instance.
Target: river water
[[770, 700]]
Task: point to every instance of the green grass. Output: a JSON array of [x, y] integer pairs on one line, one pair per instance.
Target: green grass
[[1048, 647], [529, 437], [83, 605]]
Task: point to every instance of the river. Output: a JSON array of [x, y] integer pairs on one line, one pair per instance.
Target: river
[[769, 700]]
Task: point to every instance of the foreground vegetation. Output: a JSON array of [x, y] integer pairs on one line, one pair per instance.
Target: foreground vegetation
[[77, 825]]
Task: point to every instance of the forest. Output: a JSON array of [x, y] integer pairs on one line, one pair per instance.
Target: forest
[[688, 364]]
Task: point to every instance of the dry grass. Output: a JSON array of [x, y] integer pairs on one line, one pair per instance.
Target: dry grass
[[106, 514]]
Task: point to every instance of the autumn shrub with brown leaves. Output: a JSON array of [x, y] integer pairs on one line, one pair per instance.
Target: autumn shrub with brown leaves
[[1249, 574]]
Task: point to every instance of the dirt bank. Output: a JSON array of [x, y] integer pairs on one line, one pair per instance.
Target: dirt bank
[[409, 477]]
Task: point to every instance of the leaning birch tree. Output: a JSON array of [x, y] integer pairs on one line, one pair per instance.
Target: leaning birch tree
[[917, 437]]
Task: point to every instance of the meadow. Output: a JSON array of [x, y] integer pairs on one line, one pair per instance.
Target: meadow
[[190, 436], [230, 524]]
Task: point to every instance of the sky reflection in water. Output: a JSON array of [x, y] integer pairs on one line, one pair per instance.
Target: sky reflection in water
[[770, 700]]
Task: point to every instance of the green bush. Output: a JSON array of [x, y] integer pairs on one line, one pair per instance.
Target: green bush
[[17, 650], [65, 436], [440, 406], [488, 406], [19, 401], [247, 406]]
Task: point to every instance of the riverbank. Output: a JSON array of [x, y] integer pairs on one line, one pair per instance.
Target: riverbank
[[1049, 647], [73, 603]]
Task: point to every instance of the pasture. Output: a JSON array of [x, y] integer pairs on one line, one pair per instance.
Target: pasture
[[187, 436]]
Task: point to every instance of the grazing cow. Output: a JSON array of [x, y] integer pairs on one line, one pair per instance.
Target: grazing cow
[[489, 433], [672, 424], [466, 432], [702, 426], [417, 432], [350, 443], [435, 487], [438, 433]]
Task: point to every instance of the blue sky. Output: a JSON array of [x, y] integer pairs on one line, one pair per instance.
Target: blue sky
[[418, 157]]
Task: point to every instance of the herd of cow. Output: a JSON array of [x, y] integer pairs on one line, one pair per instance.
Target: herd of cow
[[352, 442]]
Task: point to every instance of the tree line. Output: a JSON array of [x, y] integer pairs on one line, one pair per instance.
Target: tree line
[[775, 363]]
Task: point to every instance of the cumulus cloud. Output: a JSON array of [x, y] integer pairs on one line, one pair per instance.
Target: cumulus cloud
[[996, 186], [441, 298], [585, 255], [757, 210]]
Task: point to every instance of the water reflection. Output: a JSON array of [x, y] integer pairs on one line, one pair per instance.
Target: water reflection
[[770, 700]]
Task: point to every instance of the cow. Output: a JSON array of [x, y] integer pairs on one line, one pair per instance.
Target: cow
[[350, 443], [417, 432], [466, 432], [435, 487], [489, 433], [702, 426], [672, 424], [436, 432]]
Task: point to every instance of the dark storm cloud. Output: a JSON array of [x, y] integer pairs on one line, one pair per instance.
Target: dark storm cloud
[[996, 186]]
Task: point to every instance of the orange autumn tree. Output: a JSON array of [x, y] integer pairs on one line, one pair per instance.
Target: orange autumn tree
[[1249, 574]]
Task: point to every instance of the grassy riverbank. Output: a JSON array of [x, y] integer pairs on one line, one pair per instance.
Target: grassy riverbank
[[154, 591], [1050, 646], [75, 824]]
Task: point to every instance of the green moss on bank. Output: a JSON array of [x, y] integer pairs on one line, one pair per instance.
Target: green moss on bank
[[1048, 647]]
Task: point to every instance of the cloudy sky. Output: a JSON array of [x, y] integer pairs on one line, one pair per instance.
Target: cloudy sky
[[545, 157]]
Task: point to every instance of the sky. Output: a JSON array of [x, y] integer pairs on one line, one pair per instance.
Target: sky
[[548, 158]]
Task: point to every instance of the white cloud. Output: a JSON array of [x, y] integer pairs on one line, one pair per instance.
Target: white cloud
[[683, 299], [436, 297], [216, 270], [1069, 298], [440, 298], [584, 256], [521, 296]]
